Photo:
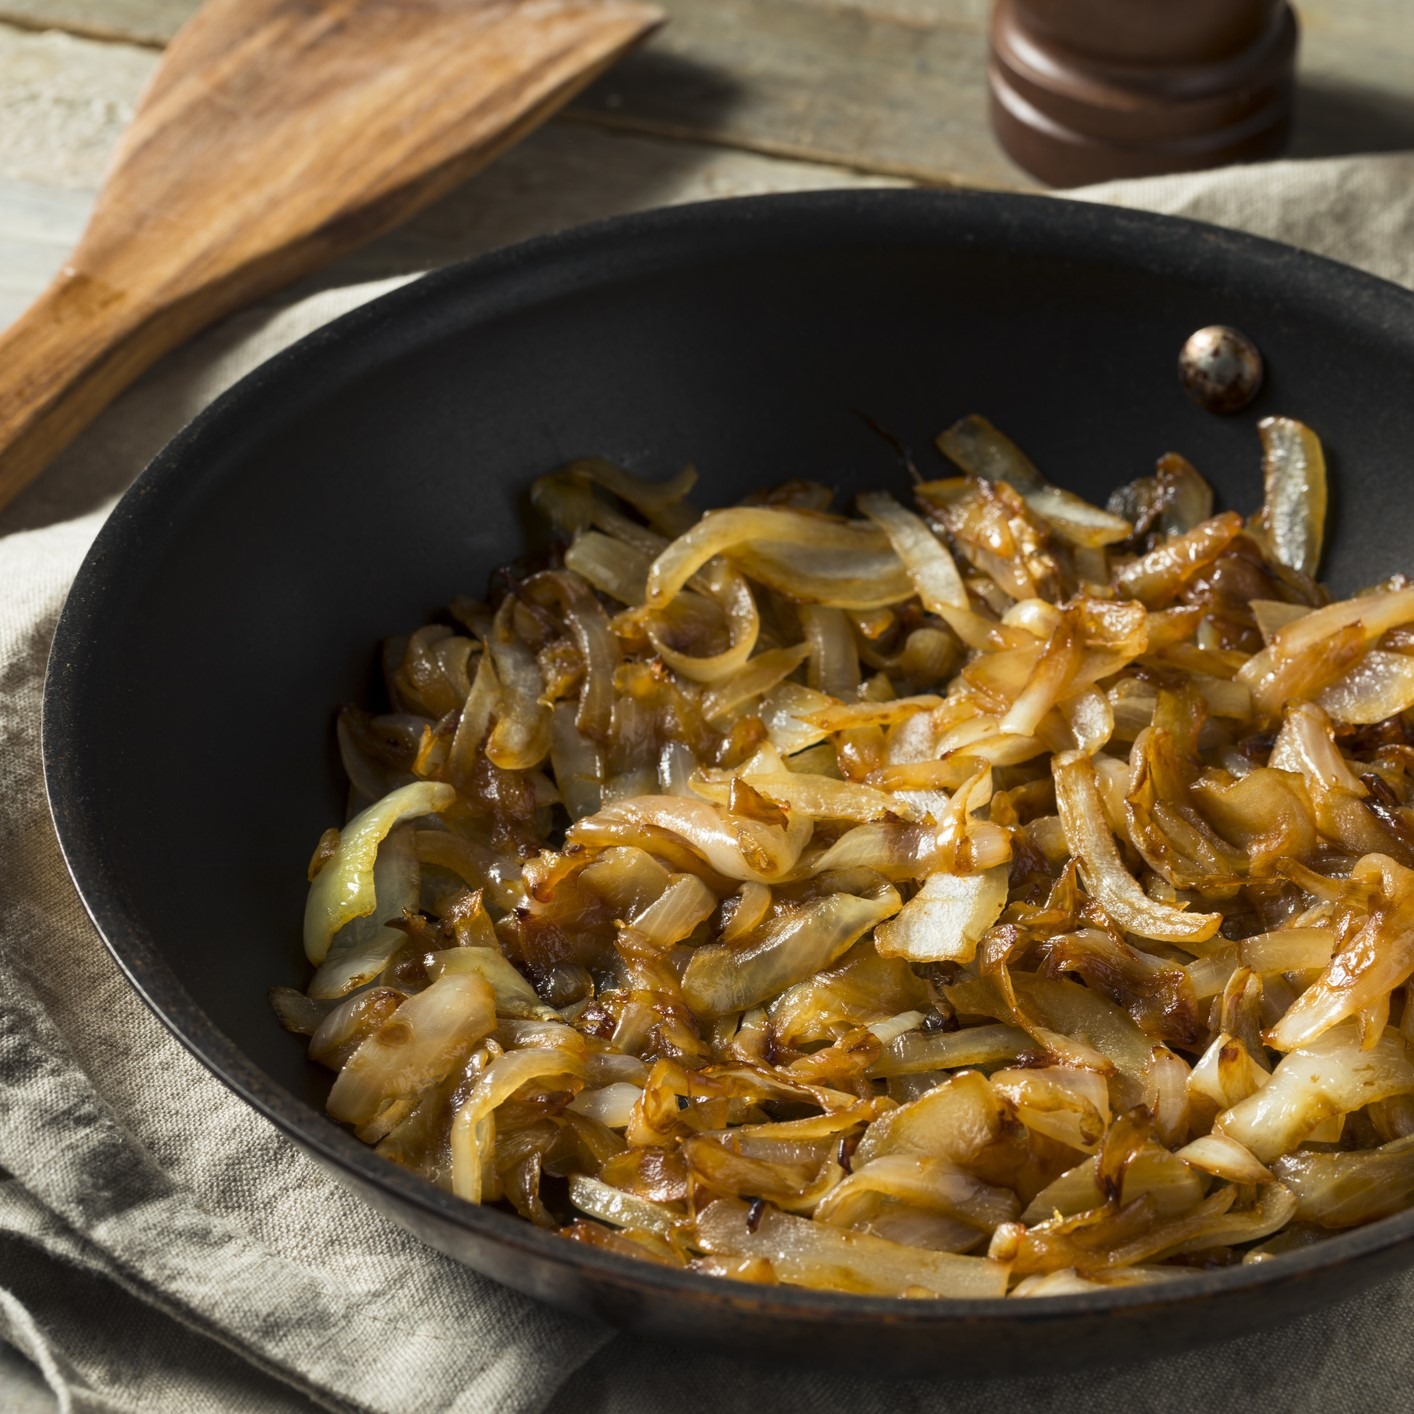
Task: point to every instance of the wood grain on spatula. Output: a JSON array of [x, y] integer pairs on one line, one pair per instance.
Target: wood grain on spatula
[[276, 135]]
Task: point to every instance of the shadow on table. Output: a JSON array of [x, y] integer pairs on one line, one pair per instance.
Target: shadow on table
[[657, 89], [1333, 120]]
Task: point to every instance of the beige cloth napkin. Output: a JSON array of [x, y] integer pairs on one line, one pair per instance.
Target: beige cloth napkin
[[164, 1249]]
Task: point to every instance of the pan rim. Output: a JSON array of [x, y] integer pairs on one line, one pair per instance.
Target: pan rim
[[495, 285]]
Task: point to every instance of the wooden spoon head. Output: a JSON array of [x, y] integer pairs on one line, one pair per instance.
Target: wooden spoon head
[[277, 134]]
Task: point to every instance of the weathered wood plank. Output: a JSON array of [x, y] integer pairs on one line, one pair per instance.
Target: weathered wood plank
[[881, 85], [895, 86], [154, 22], [562, 175], [63, 103], [150, 22]]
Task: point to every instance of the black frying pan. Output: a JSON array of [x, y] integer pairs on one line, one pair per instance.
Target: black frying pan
[[351, 486]]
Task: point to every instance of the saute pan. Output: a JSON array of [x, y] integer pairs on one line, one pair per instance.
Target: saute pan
[[347, 489]]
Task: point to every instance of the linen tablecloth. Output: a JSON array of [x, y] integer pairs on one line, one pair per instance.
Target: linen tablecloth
[[162, 1248]]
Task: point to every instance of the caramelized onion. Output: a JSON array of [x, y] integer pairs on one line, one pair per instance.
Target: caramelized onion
[[830, 901]]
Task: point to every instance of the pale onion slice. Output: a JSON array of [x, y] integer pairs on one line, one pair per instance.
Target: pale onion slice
[[896, 851], [1226, 1074], [1293, 517], [661, 503], [1375, 613], [1274, 614], [627, 878], [610, 566], [1152, 1172], [1062, 1283], [610, 1105], [834, 660], [1050, 680], [787, 712], [805, 1253], [980, 450], [1274, 1208], [735, 846], [1070, 1012], [1331, 1076], [482, 702], [846, 716], [350, 1023], [1288, 949], [576, 762], [920, 1053], [514, 995], [416, 1047], [613, 1205], [928, 1183], [803, 792], [344, 888], [1222, 1156], [520, 738], [946, 918], [1379, 686], [956, 1120], [1344, 1190], [1366, 969], [784, 950], [754, 679], [1091, 720], [1088, 837], [753, 903], [362, 947], [673, 916], [930, 566], [1167, 1096], [895, 1026], [813, 558]]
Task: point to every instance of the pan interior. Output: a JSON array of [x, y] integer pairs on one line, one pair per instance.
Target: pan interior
[[347, 490]]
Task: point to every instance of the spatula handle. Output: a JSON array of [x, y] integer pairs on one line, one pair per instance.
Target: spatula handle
[[63, 361]]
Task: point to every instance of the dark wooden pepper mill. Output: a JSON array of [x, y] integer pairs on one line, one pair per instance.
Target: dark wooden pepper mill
[[1086, 90]]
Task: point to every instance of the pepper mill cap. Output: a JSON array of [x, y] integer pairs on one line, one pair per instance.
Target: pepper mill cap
[[1090, 90]]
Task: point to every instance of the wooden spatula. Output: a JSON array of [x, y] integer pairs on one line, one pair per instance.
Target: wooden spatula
[[276, 135]]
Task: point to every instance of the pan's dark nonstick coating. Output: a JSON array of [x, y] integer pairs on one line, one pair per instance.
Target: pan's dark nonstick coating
[[347, 489]]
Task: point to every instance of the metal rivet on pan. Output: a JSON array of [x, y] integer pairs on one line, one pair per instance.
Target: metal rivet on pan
[[1220, 368]]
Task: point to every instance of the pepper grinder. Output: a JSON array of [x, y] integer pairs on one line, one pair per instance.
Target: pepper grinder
[[1088, 90]]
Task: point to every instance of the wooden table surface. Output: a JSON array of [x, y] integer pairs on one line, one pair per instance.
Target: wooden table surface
[[733, 96]]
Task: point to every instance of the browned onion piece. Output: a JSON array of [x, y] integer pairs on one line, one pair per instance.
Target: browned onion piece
[[1115, 889], [979, 449], [1157, 576]]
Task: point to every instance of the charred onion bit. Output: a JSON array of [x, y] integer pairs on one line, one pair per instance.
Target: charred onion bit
[[985, 895]]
